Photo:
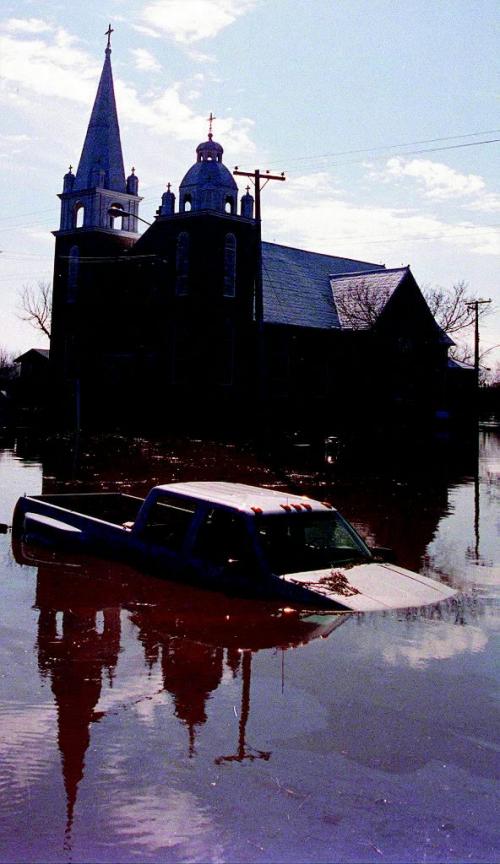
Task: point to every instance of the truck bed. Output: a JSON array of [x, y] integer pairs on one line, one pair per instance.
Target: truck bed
[[114, 507]]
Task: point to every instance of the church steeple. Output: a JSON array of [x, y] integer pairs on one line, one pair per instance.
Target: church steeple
[[101, 162], [99, 183]]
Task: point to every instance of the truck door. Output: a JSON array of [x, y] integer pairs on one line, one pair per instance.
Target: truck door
[[164, 532], [223, 551]]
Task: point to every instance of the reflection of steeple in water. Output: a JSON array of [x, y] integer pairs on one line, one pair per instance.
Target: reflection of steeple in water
[[74, 659]]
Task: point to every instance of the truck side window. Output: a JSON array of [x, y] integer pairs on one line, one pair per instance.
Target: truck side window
[[222, 538], [168, 521]]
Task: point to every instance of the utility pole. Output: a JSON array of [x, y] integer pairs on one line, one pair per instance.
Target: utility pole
[[475, 304], [259, 179]]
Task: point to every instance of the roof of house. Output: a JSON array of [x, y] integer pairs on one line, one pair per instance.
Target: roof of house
[[360, 297], [43, 352], [296, 285], [460, 364]]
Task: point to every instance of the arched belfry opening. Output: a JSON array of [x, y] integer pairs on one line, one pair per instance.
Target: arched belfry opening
[[79, 215]]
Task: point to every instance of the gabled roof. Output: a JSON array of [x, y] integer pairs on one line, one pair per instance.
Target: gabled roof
[[42, 352], [296, 285], [360, 297]]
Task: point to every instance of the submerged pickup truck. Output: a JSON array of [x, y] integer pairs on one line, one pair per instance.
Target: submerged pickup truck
[[232, 537]]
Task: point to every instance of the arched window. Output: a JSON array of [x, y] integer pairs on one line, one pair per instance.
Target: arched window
[[73, 269], [116, 221], [182, 264], [229, 204], [230, 266], [187, 204], [79, 215]]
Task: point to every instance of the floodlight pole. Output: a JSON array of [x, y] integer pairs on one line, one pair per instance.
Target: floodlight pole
[[259, 179]]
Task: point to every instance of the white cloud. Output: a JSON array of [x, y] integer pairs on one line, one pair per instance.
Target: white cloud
[[59, 70], [188, 21], [311, 211], [145, 60], [487, 203], [54, 69], [438, 180], [27, 25]]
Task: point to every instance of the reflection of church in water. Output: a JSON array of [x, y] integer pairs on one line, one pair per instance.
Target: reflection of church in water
[[80, 639]]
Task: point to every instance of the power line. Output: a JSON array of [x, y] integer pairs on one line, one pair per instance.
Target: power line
[[392, 146], [401, 153]]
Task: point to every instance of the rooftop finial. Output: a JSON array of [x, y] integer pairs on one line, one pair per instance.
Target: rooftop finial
[[108, 33], [210, 121]]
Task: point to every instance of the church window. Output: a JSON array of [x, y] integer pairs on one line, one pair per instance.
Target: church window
[[230, 266], [79, 215], [182, 264], [229, 204], [73, 268], [187, 204]]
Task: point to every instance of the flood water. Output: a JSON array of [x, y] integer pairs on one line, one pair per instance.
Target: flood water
[[143, 720]]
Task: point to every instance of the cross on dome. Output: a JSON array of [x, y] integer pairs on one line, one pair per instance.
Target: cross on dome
[[210, 121]]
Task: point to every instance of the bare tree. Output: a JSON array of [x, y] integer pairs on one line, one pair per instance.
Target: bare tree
[[36, 306], [6, 359], [450, 307], [359, 304]]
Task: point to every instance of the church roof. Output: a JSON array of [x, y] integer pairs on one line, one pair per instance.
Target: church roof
[[360, 297], [296, 285], [102, 149]]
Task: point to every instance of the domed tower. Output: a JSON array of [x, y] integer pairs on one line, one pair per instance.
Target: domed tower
[[208, 185]]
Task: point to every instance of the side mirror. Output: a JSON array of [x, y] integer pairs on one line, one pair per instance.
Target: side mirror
[[383, 553]]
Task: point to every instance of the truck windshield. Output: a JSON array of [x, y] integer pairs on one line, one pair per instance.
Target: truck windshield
[[293, 543]]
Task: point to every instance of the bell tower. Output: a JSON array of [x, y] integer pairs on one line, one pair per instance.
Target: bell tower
[[98, 226], [99, 183]]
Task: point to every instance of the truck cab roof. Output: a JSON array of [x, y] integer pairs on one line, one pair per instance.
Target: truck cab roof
[[253, 500]]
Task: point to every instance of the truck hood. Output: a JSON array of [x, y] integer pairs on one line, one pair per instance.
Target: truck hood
[[366, 587]]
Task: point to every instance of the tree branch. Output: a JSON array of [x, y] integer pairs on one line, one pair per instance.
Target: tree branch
[[36, 306]]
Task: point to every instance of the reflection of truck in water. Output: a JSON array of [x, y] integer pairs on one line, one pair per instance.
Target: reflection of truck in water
[[233, 537]]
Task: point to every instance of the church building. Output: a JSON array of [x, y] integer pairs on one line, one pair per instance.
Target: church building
[[162, 329]]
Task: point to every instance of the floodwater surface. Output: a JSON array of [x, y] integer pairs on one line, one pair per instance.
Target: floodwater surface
[[143, 720]]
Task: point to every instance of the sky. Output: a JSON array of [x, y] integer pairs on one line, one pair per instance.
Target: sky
[[383, 115]]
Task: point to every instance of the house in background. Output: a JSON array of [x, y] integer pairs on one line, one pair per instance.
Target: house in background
[[159, 329], [29, 388]]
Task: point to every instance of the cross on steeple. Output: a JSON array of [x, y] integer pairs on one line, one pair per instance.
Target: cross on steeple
[[210, 121], [108, 33]]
